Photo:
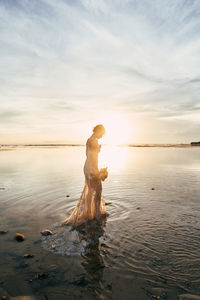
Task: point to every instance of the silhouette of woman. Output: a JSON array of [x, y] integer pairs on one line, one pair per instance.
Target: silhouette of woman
[[91, 204]]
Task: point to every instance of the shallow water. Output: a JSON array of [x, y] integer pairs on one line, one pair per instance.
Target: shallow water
[[148, 247]]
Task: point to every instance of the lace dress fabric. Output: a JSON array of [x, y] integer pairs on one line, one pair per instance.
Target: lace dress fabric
[[91, 204]]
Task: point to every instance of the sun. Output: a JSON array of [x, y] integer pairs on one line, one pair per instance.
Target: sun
[[118, 132], [118, 129]]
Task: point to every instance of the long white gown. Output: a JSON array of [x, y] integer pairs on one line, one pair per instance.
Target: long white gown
[[91, 204]]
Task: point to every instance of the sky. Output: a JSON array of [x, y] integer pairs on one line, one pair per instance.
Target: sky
[[67, 65]]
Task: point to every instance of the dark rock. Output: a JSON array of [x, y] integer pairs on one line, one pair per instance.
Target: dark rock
[[108, 203], [67, 195], [3, 231], [41, 276], [138, 207], [46, 232], [19, 237], [153, 188]]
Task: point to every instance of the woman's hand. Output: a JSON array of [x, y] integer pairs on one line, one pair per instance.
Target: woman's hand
[[103, 174]]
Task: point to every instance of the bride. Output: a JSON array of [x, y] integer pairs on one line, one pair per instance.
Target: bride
[[91, 204]]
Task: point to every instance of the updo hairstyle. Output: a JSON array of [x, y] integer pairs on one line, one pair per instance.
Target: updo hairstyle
[[99, 129]]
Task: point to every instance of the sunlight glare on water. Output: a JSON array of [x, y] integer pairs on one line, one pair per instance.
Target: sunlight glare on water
[[113, 157]]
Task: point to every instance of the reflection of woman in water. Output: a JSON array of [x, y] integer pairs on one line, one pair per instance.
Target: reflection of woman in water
[[91, 204]]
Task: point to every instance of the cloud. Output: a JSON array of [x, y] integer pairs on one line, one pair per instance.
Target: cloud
[[8, 116], [70, 59]]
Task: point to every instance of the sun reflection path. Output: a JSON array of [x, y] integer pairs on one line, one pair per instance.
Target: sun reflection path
[[113, 157]]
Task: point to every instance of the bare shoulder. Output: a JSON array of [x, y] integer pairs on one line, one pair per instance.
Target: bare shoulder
[[92, 143]]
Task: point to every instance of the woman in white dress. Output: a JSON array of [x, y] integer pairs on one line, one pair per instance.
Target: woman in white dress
[[91, 204]]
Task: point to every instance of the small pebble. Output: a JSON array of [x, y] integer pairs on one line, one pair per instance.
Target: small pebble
[[28, 255], [138, 207], [19, 237], [67, 195], [53, 246], [3, 231], [153, 188], [46, 232], [108, 203]]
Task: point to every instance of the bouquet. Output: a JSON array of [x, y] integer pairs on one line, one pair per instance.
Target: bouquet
[[103, 174]]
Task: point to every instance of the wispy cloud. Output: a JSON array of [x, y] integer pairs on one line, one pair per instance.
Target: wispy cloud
[[61, 61]]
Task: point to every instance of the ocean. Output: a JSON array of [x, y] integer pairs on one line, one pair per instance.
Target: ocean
[[148, 248]]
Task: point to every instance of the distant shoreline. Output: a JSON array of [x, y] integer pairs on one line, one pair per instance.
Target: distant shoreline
[[165, 145], [14, 146]]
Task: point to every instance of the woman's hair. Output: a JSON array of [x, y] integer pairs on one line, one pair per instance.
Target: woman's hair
[[99, 128]]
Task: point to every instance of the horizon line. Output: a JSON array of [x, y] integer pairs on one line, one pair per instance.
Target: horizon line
[[77, 144]]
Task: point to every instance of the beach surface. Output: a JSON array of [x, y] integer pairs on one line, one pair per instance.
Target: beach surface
[[148, 247]]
